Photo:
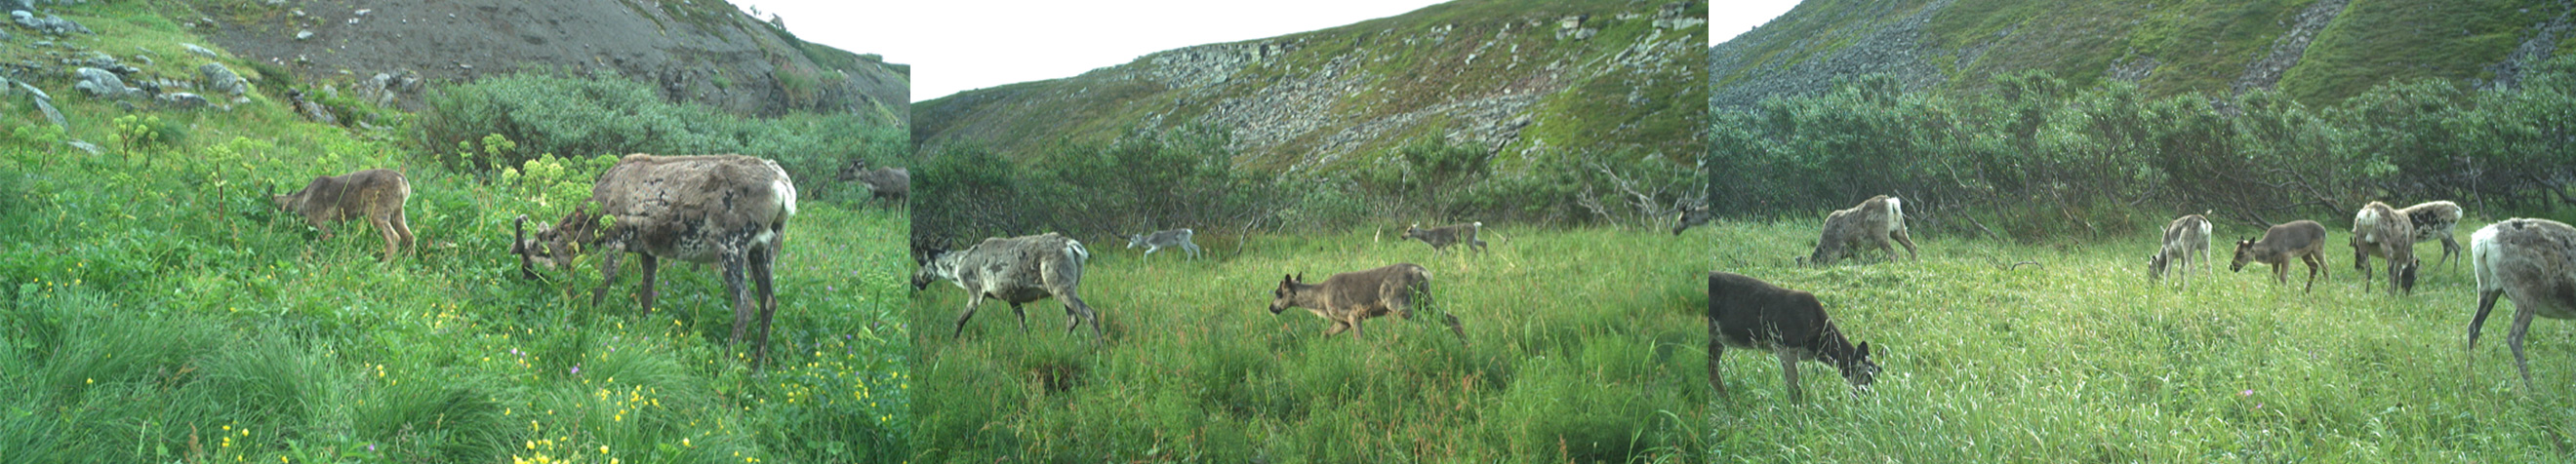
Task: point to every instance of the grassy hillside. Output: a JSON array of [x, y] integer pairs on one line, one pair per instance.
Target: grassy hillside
[[158, 309], [1588, 346], [2166, 47], [1337, 98]]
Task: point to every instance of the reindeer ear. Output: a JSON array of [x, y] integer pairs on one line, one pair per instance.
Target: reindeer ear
[[1864, 350]]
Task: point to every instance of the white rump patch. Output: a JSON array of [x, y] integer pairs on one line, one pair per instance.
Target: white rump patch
[[2483, 255], [786, 194]]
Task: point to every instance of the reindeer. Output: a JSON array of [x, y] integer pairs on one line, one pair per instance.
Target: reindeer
[[1440, 238], [1744, 312], [1015, 270], [2182, 237], [2379, 230], [730, 210], [2303, 239], [1690, 216], [1159, 240], [882, 183], [2534, 262], [1876, 221], [2434, 219], [375, 194], [1350, 298]]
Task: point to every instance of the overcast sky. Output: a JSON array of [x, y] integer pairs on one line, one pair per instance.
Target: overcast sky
[[955, 46]]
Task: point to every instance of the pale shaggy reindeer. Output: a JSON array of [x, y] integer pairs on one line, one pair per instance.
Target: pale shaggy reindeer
[[729, 210], [1440, 238], [1350, 298], [377, 195], [882, 183], [1015, 270], [2182, 237], [1744, 312], [2303, 240], [1158, 240], [1690, 216], [2379, 230], [2532, 261], [1876, 221], [2435, 219]]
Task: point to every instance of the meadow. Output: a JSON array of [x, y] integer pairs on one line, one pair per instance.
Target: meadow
[[158, 308], [1588, 345]]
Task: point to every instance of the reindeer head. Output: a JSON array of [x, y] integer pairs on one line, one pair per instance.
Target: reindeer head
[[1857, 368], [1134, 240], [1411, 232], [2156, 266], [292, 202], [852, 171], [941, 265], [2244, 254], [554, 245], [1286, 296], [1690, 216]]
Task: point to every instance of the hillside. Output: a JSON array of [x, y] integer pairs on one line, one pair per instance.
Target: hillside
[[1519, 79], [700, 51], [2315, 51]]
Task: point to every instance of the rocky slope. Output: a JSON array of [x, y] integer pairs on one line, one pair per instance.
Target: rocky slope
[[698, 50], [2317, 51], [1524, 78]]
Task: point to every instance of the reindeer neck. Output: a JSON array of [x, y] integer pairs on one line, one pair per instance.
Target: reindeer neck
[[1306, 295], [1831, 346]]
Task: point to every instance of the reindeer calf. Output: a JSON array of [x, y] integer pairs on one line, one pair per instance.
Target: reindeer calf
[[1158, 240], [2303, 240], [2184, 236], [1876, 221], [375, 194], [1441, 238], [1350, 298], [1744, 312], [2379, 230], [882, 183]]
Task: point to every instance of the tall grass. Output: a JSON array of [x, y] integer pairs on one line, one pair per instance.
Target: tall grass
[[1588, 345]]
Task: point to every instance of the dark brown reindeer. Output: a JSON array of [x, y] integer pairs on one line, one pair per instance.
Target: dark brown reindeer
[[729, 210], [2532, 261], [1875, 222], [377, 195], [1350, 298], [2379, 230], [1441, 238], [1015, 270], [2182, 237], [2303, 240], [1744, 312]]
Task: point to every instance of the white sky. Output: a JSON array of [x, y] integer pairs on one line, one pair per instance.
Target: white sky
[[1728, 18], [962, 45]]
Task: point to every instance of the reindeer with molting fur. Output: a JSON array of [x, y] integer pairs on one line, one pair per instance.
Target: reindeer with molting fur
[[2379, 230], [1877, 221], [1441, 238], [376, 195], [2185, 235], [2532, 261]]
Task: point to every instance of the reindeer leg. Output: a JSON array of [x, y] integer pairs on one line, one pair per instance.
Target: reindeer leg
[[2521, 326], [1908, 240], [1716, 351], [762, 273], [652, 268], [1088, 315], [1789, 372], [1337, 328], [607, 274], [2486, 302], [734, 267], [972, 299], [403, 227], [1024, 316], [1193, 249]]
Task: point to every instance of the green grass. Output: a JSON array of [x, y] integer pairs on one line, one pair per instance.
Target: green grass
[[1588, 345]]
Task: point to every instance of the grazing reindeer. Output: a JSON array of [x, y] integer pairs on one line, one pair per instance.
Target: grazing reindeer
[[1159, 240], [1690, 216], [1016, 270], [2184, 236], [2434, 219], [1350, 298], [375, 194], [1441, 238], [726, 209], [1744, 312], [2302, 239], [1876, 221], [882, 183], [2534, 262], [2379, 230]]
